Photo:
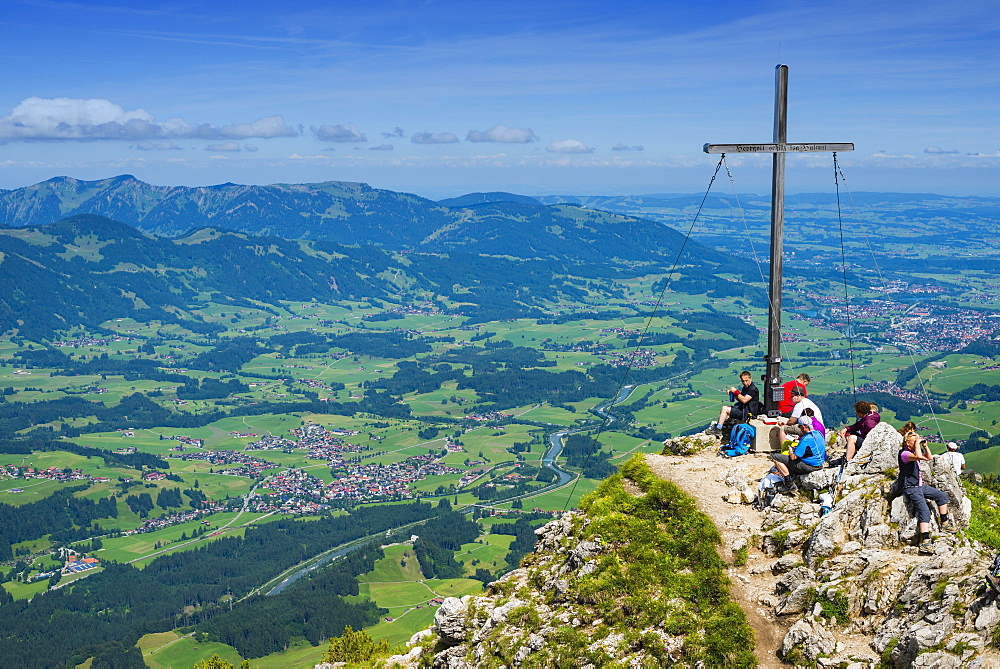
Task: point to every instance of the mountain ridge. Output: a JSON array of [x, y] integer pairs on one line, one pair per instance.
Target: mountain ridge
[[354, 213]]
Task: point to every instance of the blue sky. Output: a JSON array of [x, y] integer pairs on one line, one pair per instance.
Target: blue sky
[[441, 98]]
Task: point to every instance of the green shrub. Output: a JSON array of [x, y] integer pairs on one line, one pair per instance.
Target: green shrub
[[885, 660], [664, 551], [741, 557], [984, 525], [525, 617]]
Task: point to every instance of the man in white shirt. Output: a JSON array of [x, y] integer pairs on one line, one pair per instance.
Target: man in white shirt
[[793, 425], [956, 459], [799, 404]]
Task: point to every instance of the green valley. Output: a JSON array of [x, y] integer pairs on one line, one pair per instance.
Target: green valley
[[192, 427]]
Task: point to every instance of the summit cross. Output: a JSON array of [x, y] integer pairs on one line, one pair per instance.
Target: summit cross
[[773, 391]]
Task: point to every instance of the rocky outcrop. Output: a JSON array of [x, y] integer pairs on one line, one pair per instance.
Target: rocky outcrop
[[691, 444], [623, 582], [525, 613], [845, 589], [857, 571]]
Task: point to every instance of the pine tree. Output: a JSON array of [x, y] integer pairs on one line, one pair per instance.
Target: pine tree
[[216, 662], [354, 646]]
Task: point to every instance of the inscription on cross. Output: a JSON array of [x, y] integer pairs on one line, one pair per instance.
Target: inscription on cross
[[778, 148]]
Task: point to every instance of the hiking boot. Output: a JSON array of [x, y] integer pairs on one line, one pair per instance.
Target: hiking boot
[[924, 550], [785, 487], [949, 526], [713, 431], [994, 583]]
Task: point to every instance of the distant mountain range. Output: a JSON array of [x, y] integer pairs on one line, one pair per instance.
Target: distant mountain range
[[355, 213], [87, 269]]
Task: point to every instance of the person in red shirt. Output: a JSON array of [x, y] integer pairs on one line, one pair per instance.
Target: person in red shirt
[[786, 405]]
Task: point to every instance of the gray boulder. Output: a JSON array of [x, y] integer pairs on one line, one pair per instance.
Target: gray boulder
[[943, 477], [857, 516], [807, 640], [821, 479], [691, 444], [878, 453], [450, 621]]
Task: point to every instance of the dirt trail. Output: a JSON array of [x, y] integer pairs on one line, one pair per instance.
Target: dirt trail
[[703, 477]]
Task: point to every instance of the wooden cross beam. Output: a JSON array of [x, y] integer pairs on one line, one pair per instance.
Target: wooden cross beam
[[778, 148]]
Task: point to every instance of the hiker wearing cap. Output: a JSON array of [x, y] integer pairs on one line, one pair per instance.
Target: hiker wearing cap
[[786, 405], [807, 456], [747, 399], [911, 481], [868, 417], [956, 459]]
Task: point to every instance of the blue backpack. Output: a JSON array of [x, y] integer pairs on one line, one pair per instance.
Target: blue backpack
[[740, 440]]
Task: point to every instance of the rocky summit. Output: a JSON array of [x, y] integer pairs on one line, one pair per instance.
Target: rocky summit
[[845, 588]]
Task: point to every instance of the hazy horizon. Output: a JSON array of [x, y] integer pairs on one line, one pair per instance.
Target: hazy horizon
[[446, 97]]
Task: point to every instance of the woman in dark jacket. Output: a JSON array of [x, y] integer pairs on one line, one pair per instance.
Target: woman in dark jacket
[[868, 417]]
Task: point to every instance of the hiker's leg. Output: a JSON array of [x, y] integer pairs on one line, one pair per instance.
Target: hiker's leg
[[939, 496], [916, 497], [781, 464], [852, 441], [723, 415]]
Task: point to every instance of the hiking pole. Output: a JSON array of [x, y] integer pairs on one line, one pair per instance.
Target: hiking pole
[[837, 485]]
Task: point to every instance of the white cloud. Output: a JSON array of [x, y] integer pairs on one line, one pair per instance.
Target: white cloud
[[381, 147], [337, 132], [296, 156], [227, 146], [157, 146], [251, 147], [624, 147], [398, 132], [503, 134], [93, 119], [568, 146], [433, 138], [267, 127]]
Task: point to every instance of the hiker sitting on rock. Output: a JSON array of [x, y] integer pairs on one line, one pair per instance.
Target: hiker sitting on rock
[[797, 420], [747, 404], [807, 456], [868, 417], [912, 483]]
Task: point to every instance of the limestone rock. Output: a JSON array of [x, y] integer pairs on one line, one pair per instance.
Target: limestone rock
[[794, 578], [796, 601], [988, 618], [855, 517], [453, 658], [821, 479], [786, 563], [449, 621], [735, 496], [690, 444], [939, 660], [420, 636], [878, 453], [408, 660], [943, 477], [810, 639]]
